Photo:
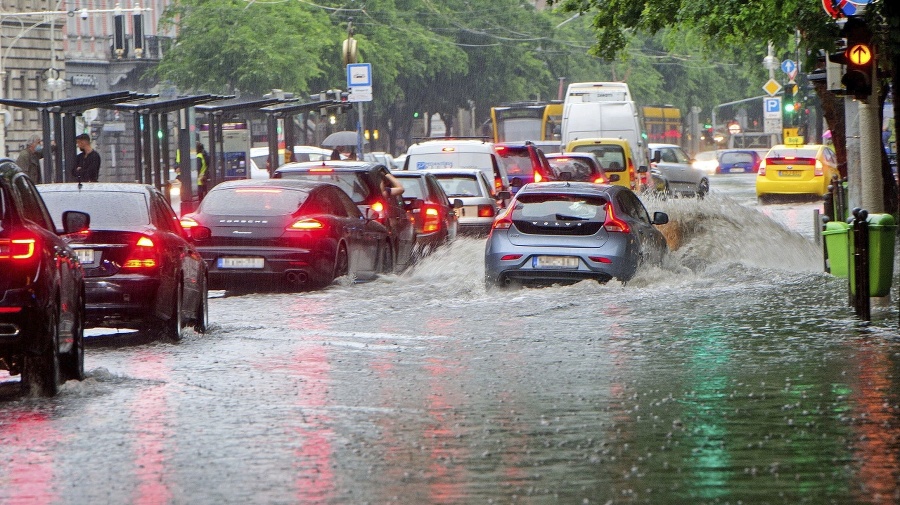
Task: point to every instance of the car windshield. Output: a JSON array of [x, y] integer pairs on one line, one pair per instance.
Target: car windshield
[[351, 182], [733, 158], [459, 185], [578, 169], [450, 159], [109, 210], [253, 201], [552, 207], [516, 160], [611, 157]]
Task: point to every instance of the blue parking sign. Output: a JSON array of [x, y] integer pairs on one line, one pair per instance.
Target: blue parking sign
[[772, 105]]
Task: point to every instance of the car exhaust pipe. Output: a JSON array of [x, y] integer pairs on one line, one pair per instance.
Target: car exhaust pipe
[[8, 330], [296, 277]]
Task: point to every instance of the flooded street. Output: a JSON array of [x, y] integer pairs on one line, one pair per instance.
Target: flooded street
[[734, 373]]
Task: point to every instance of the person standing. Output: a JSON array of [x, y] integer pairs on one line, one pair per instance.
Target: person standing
[[202, 172], [30, 157], [87, 162]]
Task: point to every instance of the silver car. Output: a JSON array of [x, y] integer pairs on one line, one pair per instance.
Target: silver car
[[480, 203], [673, 174], [563, 232]]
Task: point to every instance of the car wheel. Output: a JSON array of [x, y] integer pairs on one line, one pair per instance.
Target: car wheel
[[40, 373], [341, 262], [386, 259], [201, 318], [173, 326], [72, 364]]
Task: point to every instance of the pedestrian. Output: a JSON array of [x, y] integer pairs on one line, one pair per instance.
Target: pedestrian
[[29, 158], [87, 162], [202, 172], [335, 154]]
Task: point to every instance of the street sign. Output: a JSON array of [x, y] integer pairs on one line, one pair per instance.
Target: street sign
[[772, 88], [359, 74], [360, 94], [772, 107], [788, 66], [772, 125]]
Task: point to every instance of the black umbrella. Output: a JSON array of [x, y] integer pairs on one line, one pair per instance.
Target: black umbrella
[[345, 138]]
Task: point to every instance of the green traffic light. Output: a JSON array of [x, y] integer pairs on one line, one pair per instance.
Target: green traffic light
[[415, 114], [159, 134]]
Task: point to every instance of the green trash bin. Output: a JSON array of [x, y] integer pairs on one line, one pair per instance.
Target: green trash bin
[[882, 234], [837, 245]]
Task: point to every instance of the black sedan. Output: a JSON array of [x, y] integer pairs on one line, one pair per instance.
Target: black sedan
[[140, 269], [433, 213], [283, 233], [365, 183], [42, 288]]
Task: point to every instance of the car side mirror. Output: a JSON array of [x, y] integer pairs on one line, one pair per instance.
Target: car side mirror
[[457, 203], [657, 156], [614, 178], [643, 169], [660, 218], [75, 221]]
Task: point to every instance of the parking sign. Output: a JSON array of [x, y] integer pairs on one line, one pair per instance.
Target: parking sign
[[772, 107]]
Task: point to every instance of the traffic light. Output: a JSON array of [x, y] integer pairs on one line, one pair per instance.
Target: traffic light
[[346, 104], [788, 105], [859, 58]]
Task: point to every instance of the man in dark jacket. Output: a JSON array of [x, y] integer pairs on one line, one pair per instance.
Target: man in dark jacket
[[29, 158], [87, 163]]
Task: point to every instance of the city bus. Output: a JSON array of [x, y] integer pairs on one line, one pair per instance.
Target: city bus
[[552, 123], [662, 124], [518, 121]]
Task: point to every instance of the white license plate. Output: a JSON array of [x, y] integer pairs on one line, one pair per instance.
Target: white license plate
[[555, 262], [241, 262], [85, 256]]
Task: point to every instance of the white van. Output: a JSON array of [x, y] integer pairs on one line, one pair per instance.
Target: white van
[[584, 120], [458, 153], [580, 92]]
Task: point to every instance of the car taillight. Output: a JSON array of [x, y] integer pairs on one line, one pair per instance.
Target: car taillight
[[504, 223], [600, 180], [632, 175], [378, 207], [762, 168], [820, 169], [613, 223], [306, 225], [485, 211], [195, 230], [432, 221], [537, 176], [498, 183], [143, 255], [21, 248]]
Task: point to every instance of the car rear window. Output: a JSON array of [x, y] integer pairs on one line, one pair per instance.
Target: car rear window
[[449, 160], [351, 182], [555, 214], [516, 160], [109, 210], [792, 153], [253, 201], [459, 185], [611, 157], [733, 158], [577, 168], [413, 187]]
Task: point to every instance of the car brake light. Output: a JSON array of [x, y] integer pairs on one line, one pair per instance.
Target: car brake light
[[306, 224], [504, 223], [195, 230], [501, 150], [17, 248], [498, 183], [613, 223], [321, 170], [485, 211], [510, 257], [762, 168], [600, 180], [10, 310], [378, 207], [537, 176], [432, 220], [820, 169], [143, 255]]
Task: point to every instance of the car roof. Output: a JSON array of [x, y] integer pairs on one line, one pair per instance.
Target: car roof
[[657, 146], [256, 151], [471, 145], [450, 171], [598, 141], [575, 188], [119, 187], [297, 184], [336, 165]]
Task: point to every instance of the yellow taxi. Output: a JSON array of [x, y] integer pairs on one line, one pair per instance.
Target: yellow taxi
[[796, 170], [615, 157]]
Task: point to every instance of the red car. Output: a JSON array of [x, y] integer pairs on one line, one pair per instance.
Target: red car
[[524, 163]]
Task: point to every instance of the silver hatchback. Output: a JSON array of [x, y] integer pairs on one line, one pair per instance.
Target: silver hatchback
[[563, 232]]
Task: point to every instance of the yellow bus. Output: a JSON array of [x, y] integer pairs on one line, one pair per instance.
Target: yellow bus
[[662, 124], [521, 121], [551, 127]]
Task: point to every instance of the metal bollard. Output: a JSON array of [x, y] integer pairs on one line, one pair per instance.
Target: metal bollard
[[860, 298]]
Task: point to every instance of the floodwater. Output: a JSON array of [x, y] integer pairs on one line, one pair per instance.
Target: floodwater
[[734, 373]]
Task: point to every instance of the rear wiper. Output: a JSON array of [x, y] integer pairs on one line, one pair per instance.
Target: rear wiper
[[563, 217]]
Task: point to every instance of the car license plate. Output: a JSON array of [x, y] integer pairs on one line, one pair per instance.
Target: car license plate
[[85, 256], [241, 262], [555, 262], [789, 173]]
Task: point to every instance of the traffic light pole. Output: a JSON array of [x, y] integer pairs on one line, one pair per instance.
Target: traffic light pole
[[872, 186]]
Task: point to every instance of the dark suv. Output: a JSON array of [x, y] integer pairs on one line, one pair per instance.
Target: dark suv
[[42, 282], [362, 181], [524, 163]]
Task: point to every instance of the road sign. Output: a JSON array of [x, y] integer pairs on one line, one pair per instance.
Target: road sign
[[772, 107], [359, 74], [772, 125], [788, 66], [772, 87], [360, 94]]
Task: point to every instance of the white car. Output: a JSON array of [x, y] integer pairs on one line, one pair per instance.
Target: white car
[[480, 202], [673, 174]]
